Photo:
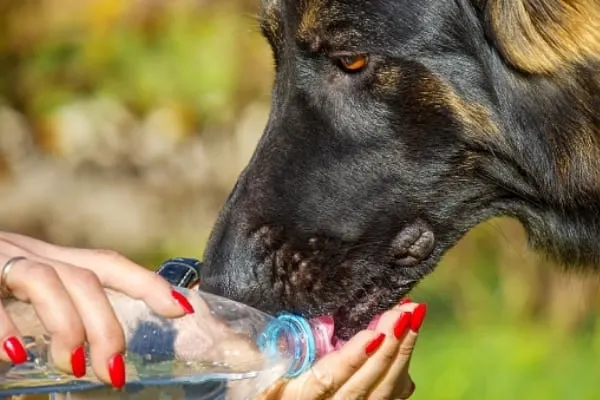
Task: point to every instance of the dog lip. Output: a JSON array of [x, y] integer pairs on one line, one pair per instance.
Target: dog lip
[[413, 244], [323, 328]]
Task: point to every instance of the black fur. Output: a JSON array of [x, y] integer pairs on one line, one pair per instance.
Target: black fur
[[355, 168]]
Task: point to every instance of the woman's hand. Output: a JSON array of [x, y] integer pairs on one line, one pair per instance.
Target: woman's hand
[[372, 365], [66, 288]]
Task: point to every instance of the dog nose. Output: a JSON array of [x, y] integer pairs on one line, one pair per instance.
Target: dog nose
[[230, 257]]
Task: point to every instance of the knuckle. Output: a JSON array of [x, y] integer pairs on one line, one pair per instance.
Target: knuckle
[[72, 334], [322, 383], [152, 280], [42, 273], [106, 332], [354, 365], [406, 350], [109, 335], [388, 357], [111, 255], [86, 278]]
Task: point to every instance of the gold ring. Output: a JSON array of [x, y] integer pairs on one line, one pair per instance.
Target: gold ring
[[4, 290]]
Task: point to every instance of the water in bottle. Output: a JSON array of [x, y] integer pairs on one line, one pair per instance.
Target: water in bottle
[[224, 350]]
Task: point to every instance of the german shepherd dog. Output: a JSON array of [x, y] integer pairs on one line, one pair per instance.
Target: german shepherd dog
[[396, 126]]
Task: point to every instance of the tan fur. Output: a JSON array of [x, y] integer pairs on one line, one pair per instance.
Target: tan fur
[[312, 11], [579, 164], [477, 118], [544, 36], [478, 122], [270, 20]]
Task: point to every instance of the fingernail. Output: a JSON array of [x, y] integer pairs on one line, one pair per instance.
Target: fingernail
[[374, 344], [401, 325], [15, 350], [183, 302], [418, 317], [78, 362], [405, 301], [411, 391], [116, 370]]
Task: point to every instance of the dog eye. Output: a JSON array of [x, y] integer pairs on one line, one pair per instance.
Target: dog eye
[[353, 63]]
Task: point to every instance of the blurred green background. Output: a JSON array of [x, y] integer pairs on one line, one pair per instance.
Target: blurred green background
[[123, 124]]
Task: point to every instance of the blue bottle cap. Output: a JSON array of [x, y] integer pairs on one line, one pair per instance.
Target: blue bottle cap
[[292, 334]]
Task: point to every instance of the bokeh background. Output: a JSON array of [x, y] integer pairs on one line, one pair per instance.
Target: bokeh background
[[123, 125]]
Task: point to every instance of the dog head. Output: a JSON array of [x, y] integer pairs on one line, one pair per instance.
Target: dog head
[[396, 126]]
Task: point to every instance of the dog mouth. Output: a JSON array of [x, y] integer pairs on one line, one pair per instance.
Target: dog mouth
[[367, 280], [364, 312], [413, 246], [332, 331], [326, 339]]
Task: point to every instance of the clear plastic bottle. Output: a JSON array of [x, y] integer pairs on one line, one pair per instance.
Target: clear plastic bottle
[[225, 350]]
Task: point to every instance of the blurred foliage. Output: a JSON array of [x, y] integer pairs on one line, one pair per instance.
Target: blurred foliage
[[145, 53], [104, 93]]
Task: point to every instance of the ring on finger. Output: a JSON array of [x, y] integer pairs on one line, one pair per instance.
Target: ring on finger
[[4, 290]]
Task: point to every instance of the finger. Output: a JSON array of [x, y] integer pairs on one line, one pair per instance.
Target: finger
[[121, 274], [114, 271], [96, 318], [330, 373], [394, 324], [396, 382], [13, 349], [102, 328], [38, 284]]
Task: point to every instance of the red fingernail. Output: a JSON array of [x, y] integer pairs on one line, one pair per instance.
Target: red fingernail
[[78, 362], [116, 370], [411, 391], [405, 301], [374, 344], [183, 302], [418, 317], [401, 325], [15, 350]]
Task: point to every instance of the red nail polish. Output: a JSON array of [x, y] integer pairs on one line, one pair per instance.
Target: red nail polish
[[418, 317], [401, 325], [78, 362], [15, 350], [405, 301], [374, 344], [183, 302], [116, 370]]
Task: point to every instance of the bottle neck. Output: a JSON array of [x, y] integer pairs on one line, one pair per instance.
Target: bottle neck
[[290, 336]]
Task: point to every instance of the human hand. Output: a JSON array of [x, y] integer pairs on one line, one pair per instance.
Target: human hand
[[66, 287], [373, 364]]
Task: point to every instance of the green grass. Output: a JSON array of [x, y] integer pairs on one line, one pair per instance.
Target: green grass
[[512, 361]]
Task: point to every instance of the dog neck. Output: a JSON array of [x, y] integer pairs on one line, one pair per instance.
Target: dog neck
[[553, 127], [553, 131]]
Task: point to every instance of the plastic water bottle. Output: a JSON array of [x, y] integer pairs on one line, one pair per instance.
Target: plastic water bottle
[[225, 350]]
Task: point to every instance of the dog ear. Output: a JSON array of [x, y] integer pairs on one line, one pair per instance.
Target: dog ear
[[543, 36]]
